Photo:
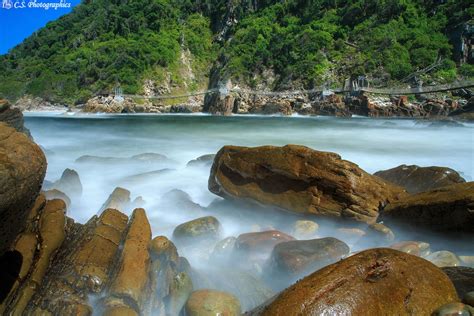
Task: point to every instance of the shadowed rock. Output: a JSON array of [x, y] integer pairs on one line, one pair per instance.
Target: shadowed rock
[[22, 170], [299, 179], [417, 179], [13, 117], [445, 209]]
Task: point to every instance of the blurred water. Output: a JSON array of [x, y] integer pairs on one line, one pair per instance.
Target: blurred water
[[374, 144]]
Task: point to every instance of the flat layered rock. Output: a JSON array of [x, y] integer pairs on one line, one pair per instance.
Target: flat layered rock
[[301, 180], [374, 282], [448, 208], [416, 179]]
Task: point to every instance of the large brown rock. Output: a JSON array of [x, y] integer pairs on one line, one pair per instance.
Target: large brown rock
[[299, 179], [374, 282], [417, 179], [444, 209], [210, 302], [22, 170]]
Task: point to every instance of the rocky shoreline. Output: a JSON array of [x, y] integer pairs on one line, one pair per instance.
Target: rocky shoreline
[[458, 105], [114, 264]]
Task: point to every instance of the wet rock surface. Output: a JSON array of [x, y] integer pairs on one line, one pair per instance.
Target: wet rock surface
[[203, 228], [302, 180], [417, 179], [444, 209], [22, 170], [374, 282], [210, 303], [293, 259]]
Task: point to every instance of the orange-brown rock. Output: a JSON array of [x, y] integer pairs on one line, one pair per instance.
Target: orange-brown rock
[[210, 303], [132, 275], [260, 241], [299, 179], [293, 258], [444, 209], [22, 170], [417, 179], [373, 282]]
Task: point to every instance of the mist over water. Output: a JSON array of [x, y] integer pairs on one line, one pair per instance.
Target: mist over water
[[373, 144]]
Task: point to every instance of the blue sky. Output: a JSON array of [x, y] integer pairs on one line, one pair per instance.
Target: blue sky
[[17, 24]]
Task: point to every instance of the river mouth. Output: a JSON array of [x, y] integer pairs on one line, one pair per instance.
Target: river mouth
[[373, 144]]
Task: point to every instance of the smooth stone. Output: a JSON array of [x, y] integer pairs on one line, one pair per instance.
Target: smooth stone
[[443, 259], [203, 228], [453, 309], [212, 303], [377, 281], [304, 229], [416, 179]]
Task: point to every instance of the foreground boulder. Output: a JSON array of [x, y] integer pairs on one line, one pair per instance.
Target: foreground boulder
[[22, 170], [374, 282], [417, 179], [444, 209], [299, 179]]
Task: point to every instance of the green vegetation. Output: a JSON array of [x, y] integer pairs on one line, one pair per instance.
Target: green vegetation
[[304, 43]]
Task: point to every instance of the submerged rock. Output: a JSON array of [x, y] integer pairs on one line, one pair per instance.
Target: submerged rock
[[211, 303], [260, 242], [454, 309], [56, 194], [22, 170], [373, 282], [204, 160], [248, 288], [302, 180], [304, 229], [443, 259], [70, 184], [119, 199], [293, 259], [444, 209], [203, 228], [145, 158], [417, 179], [416, 248]]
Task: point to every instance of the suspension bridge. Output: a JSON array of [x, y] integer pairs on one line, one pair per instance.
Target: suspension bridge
[[465, 84]]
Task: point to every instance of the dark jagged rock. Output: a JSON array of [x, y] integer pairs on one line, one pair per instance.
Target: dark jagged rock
[[417, 179], [463, 280], [299, 179], [13, 117], [444, 209], [70, 184], [283, 108], [22, 170], [373, 282]]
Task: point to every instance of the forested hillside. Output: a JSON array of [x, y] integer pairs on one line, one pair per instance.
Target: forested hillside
[[171, 45]]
